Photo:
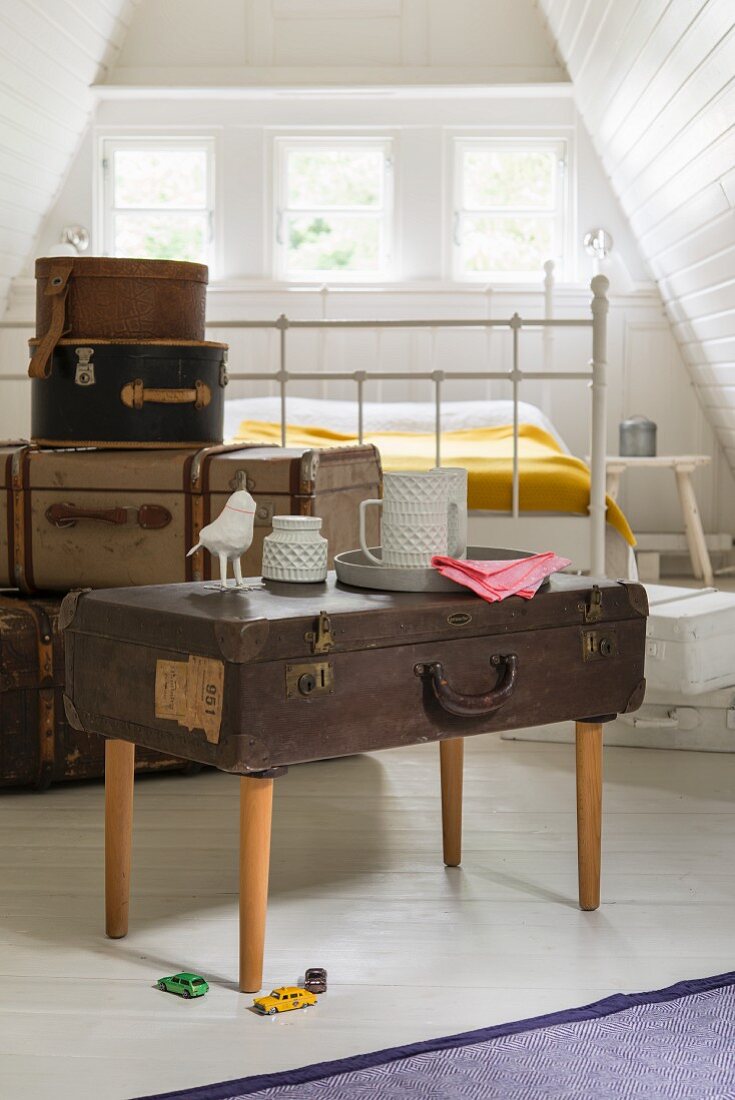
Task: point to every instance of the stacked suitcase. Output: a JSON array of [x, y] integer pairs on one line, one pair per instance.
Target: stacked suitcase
[[125, 466]]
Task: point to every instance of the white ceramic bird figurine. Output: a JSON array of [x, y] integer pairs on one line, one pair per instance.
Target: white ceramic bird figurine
[[230, 535]]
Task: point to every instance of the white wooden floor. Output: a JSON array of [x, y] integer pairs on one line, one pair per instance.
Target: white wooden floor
[[413, 950]]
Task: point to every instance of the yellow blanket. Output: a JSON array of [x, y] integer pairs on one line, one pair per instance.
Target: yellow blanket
[[550, 481]]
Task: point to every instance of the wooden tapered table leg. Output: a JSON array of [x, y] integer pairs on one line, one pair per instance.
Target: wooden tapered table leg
[[451, 760], [256, 809], [589, 812], [119, 779]]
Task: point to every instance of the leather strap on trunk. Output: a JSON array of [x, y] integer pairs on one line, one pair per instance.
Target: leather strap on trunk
[[57, 288], [19, 519]]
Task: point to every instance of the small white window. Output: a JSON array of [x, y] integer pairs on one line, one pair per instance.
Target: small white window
[[158, 198], [510, 208], [333, 209]]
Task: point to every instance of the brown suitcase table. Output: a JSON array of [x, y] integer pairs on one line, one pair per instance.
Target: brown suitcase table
[[252, 682]]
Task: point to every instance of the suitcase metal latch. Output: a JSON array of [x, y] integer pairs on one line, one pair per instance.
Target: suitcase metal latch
[[309, 680], [84, 375], [593, 610], [598, 644], [321, 639]]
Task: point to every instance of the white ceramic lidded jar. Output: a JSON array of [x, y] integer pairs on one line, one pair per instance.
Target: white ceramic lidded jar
[[295, 551]]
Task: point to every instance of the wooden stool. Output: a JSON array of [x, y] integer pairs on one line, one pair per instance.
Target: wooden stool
[[256, 802], [683, 467]]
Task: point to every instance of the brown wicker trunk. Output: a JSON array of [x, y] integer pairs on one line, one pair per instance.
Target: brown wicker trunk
[[96, 519], [37, 746], [117, 299], [254, 681]]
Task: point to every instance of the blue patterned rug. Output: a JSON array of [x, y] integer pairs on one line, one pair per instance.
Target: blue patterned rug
[[673, 1044]]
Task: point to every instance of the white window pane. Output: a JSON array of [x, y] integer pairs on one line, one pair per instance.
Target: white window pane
[[334, 177], [505, 243], [160, 178], [335, 242], [508, 178], [162, 236]]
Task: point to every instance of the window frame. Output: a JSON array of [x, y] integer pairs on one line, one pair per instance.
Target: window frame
[[110, 143], [283, 144], [563, 216]]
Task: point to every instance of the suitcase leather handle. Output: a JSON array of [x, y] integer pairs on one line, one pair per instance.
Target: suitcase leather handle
[[57, 288], [473, 706], [135, 395], [151, 517]]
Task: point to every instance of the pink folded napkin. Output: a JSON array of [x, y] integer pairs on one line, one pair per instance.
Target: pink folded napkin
[[494, 580]]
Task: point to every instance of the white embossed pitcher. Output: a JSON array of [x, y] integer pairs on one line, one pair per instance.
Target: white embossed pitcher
[[415, 520], [456, 476]]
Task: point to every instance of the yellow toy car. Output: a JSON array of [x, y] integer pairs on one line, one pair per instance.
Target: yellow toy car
[[283, 999]]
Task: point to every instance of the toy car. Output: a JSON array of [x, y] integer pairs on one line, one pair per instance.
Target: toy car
[[186, 985], [283, 999], [315, 979]]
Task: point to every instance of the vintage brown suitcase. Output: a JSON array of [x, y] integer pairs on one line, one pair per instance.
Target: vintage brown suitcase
[[37, 746], [105, 393], [88, 297], [109, 518], [251, 681]]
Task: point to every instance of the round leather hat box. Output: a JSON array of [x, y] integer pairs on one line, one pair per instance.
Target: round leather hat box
[[100, 297], [104, 393]]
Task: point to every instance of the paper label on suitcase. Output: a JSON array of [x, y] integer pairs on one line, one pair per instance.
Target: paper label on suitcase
[[190, 693]]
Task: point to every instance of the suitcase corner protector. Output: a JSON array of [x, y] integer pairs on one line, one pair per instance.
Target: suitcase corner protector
[[636, 698], [69, 607], [637, 596], [241, 642], [72, 715]]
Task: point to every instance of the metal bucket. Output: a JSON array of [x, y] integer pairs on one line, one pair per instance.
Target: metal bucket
[[637, 437]]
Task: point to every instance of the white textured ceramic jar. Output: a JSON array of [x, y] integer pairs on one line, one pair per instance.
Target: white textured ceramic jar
[[295, 551]]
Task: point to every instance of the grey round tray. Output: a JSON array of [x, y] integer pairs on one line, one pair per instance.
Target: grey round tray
[[354, 568]]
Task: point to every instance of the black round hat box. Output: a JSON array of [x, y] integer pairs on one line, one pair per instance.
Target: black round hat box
[[105, 393]]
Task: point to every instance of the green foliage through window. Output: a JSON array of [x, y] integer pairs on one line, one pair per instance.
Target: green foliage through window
[[509, 214], [335, 210], [157, 200]]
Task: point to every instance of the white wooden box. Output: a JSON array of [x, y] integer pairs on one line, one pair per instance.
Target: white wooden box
[[690, 639], [704, 723], [690, 677]]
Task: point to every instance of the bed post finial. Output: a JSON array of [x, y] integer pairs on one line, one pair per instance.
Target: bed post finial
[[600, 285], [598, 448]]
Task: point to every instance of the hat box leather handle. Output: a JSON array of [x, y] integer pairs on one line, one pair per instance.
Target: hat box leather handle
[[473, 706], [135, 394], [151, 517], [57, 288]]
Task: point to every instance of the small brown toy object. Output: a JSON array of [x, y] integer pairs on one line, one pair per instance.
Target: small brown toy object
[[315, 979]]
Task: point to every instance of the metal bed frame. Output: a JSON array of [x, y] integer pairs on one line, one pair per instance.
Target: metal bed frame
[[595, 376]]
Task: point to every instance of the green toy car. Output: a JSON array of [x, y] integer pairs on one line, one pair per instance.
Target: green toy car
[[186, 985]]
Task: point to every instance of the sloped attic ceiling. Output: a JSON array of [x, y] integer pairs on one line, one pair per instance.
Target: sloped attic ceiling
[[51, 51], [655, 84]]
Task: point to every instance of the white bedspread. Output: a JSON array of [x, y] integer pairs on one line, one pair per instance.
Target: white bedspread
[[387, 416]]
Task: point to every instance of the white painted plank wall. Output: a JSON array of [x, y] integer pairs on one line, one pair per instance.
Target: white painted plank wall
[[655, 85], [51, 51]]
